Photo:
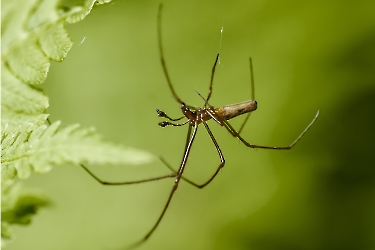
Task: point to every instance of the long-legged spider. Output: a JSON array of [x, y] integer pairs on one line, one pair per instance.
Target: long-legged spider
[[196, 116]]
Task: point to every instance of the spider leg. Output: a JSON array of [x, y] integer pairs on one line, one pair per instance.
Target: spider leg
[[218, 169], [162, 60], [175, 186], [222, 160], [170, 167], [252, 94], [165, 123], [244, 122], [125, 182], [163, 114], [212, 78], [188, 137], [173, 170], [184, 178], [236, 134]]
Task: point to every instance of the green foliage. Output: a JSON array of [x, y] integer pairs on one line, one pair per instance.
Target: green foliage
[[33, 33], [37, 148], [18, 205], [21, 103]]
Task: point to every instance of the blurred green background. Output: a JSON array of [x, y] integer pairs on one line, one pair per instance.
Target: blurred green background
[[307, 55]]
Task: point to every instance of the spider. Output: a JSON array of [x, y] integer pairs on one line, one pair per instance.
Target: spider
[[196, 116]]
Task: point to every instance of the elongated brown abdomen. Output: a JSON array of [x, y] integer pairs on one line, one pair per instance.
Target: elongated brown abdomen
[[230, 111]]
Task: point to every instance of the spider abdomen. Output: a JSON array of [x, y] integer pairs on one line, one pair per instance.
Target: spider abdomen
[[230, 111]]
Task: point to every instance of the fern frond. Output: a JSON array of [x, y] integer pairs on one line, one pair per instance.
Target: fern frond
[[21, 103], [32, 34], [38, 148]]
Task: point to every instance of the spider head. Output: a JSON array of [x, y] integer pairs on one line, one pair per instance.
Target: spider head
[[186, 111]]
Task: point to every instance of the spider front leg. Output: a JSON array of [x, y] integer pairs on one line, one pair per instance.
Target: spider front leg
[[162, 60], [175, 186], [212, 78], [173, 170], [222, 160]]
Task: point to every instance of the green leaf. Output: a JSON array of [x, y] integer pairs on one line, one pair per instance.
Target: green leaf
[[33, 33], [37, 148], [21, 103], [25, 24]]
